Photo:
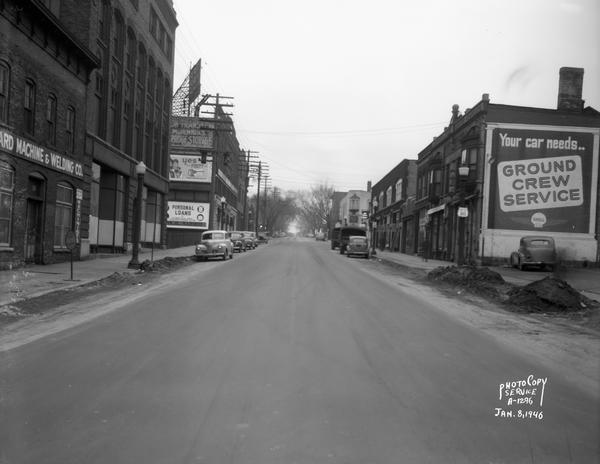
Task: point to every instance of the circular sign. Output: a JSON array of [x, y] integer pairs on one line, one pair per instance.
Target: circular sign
[[70, 240]]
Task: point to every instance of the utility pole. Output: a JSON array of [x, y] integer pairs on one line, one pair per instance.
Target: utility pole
[[250, 160], [258, 199]]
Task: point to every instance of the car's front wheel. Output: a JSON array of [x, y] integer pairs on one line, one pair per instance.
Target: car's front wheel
[[225, 255]]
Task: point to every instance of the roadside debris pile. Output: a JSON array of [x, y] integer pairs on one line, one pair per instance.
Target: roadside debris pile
[[480, 280], [548, 295], [163, 264]]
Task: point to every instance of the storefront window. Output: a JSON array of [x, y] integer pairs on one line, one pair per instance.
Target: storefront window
[[7, 176], [63, 218]]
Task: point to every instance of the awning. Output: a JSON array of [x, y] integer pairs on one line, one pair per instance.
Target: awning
[[437, 209]]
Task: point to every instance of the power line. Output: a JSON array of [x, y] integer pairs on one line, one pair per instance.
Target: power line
[[379, 131]]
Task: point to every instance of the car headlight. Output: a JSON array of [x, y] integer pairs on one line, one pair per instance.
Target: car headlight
[[200, 247]]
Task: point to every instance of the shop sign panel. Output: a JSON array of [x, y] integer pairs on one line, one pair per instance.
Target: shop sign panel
[[187, 215], [23, 148]]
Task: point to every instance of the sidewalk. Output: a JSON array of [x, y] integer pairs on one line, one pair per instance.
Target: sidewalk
[[35, 280], [584, 280]]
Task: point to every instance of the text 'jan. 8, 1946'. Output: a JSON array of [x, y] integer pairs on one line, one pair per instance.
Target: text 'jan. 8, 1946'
[[522, 399]]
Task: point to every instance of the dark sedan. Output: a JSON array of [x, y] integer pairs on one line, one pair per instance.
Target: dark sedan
[[357, 246], [534, 250]]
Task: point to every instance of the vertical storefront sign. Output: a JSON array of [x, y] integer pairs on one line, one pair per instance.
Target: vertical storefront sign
[[78, 201]]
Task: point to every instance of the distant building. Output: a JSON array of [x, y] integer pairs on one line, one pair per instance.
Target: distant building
[[354, 208], [395, 227], [208, 178], [44, 168]]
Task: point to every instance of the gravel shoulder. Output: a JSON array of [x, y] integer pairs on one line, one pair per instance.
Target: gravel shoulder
[[565, 341]]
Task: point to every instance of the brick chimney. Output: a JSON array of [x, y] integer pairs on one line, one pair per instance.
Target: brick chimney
[[570, 86]]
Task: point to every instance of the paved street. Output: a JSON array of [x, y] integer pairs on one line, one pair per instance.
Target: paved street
[[288, 354]]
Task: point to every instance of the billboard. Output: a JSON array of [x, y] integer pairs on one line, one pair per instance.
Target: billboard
[[187, 215], [542, 180], [191, 134], [191, 168]]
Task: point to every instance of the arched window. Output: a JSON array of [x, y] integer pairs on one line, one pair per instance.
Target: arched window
[[151, 78], [63, 216], [103, 19], [4, 91], [130, 51], [51, 120], [70, 130], [29, 107], [118, 36], [7, 187], [141, 71]]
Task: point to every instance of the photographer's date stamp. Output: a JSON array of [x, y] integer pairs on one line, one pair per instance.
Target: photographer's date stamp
[[522, 399]]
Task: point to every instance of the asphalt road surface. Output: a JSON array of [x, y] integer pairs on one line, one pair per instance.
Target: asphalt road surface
[[290, 353]]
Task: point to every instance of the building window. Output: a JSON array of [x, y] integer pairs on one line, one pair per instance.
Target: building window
[[51, 120], [7, 186], [70, 130], [63, 218], [103, 19], [468, 157], [169, 48], [29, 107], [130, 52], [141, 70], [399, 194], [388, 196], [118, 35], [4, 91], [153, 23]]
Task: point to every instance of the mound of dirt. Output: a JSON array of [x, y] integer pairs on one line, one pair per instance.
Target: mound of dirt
[[464, 275], [549, 294], [163, 264], [481, 280]]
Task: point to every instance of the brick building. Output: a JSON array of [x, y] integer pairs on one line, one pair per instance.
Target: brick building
[[208, 175], [395, 227], [44, 168], [128, 119], [498, 172]]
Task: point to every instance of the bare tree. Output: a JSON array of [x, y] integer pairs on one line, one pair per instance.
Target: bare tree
[[315, 208]]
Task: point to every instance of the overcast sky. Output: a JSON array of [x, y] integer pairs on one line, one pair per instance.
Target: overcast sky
[[340, 91]]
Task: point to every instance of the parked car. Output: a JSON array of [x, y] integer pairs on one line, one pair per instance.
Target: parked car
[[263, 237], [320, 236], [534, 250], [341, 235], [357, 246], [250, 238], [237, 238], [214, 244]]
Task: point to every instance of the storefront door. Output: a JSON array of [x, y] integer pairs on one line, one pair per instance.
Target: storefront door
[[33, 232]]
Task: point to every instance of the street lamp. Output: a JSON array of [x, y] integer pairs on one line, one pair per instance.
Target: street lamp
[[223, 204], [374, 205], [140, 170], [463, 212]]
